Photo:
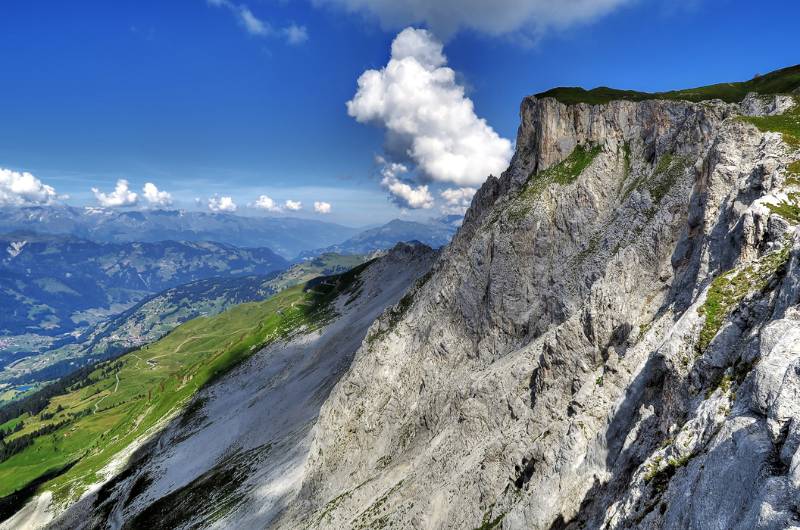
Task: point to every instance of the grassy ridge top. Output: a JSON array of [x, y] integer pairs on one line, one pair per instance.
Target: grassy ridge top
[[781, 81], [84, 428]]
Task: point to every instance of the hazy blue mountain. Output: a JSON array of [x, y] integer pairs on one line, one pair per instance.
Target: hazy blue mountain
[[435, 233], [287, 236], [54, 284]]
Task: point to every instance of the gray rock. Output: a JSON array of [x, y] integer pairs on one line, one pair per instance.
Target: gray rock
[[549, 374]]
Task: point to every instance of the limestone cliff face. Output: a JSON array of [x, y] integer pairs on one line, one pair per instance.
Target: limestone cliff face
[[571, 360]]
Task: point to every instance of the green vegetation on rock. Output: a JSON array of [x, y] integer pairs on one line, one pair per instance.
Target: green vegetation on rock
[[729, 289], [793, 174], [788, 124], [488, 523], [789, 210], [781, 81], [565, 172], [659, 477], [667, 171]]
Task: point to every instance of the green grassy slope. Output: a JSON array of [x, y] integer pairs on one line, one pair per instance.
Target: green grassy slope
[[778, 82], [122, 399], [788, 124], [157, 315]]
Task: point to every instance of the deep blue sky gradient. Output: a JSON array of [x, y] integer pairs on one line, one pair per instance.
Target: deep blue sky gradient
[[178, 94]]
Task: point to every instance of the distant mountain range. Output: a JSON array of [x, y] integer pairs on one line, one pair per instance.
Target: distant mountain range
[[55, 284], [434, 234], [286, 236]]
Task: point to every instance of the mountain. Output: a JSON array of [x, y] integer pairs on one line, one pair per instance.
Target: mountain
[[435, 234], [284, 353], [53, 284], [156, 315], [285, 235], [609, 341]]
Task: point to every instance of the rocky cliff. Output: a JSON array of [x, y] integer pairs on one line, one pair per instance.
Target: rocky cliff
[[610, 341]]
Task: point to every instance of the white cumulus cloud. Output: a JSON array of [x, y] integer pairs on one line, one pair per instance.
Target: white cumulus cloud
[[121, 196], [221, 204], [322, 207], [456, 200], [416, 97], [402, 193], [265, 202], [23, 189], [293, 205], [156, 197], [492, 17]]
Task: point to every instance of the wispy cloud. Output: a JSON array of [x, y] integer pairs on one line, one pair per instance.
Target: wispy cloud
[[252, 24], [528, 18], [295, 34]]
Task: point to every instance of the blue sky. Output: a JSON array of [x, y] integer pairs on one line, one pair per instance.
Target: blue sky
[[185, 95]]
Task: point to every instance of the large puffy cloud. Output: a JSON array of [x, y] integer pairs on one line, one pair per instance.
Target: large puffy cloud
[[402, 193], [492, 17], [322, 207], [416, 97], [221, 204], [23, 189], [156, 197], [121, 196], [456, 200]]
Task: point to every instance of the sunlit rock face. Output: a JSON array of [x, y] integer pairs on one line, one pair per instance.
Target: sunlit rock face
[[571, 362]]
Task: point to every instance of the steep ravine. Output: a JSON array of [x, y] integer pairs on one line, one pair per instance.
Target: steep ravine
[[580, 356]]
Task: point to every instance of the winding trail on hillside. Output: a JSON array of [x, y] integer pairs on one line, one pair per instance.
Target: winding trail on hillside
[[193, 337], [116, 387]]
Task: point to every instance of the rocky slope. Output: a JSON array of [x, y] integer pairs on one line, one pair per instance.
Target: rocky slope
[[235, 457], [611, 340]]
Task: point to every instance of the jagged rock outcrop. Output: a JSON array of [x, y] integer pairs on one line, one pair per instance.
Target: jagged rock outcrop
[[610, 341]]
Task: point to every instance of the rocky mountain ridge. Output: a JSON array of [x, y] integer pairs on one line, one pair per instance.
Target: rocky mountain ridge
[[607, 343]]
